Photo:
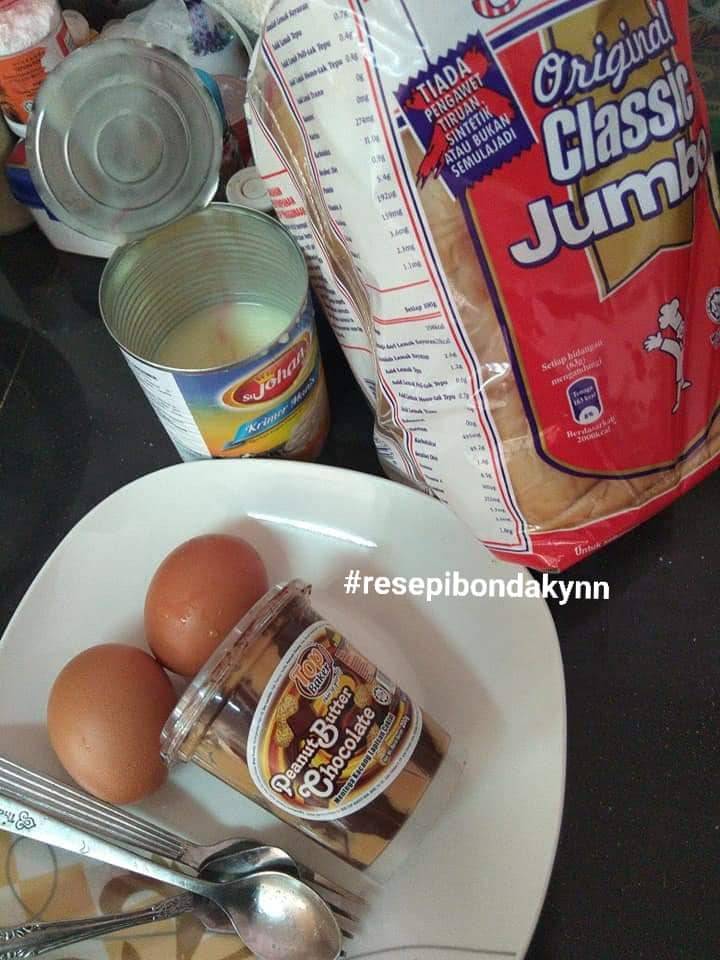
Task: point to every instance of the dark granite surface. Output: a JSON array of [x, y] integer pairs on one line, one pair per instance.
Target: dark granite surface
[[638, 867]]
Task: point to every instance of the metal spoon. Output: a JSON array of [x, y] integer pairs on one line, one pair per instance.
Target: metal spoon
[[123, 827], [224, 860], [274, 906], [34, 938], [274, 914]]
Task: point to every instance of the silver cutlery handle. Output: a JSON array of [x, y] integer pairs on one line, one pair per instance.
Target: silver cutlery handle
[[34, 939], [21, 819], [78, 807]]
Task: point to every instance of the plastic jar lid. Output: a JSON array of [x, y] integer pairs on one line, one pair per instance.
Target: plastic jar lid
[[246, 188], [206, 695]]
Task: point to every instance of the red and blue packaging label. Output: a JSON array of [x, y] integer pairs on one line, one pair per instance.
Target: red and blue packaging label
[[465, 114]]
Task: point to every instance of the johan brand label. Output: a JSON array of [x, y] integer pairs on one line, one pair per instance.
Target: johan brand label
[[330, 732], [273, 379], [255, 407], [22, 74]]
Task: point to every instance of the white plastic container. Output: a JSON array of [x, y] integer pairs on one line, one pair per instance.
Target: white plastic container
[[59, 234], [246, 188], [65, 238]]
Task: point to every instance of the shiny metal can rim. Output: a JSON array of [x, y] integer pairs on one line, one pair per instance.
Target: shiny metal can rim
[[113, 264], [89, 54]]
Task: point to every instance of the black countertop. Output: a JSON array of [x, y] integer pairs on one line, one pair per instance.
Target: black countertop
[[638, 868]]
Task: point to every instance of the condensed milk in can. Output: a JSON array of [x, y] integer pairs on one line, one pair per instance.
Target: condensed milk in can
[[214, 318]]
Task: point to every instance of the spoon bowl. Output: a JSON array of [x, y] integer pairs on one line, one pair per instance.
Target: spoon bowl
[[283, 919], [277, 916], [244, 857]]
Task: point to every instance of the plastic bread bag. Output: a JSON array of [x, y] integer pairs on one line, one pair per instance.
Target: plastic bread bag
[[510, 213]]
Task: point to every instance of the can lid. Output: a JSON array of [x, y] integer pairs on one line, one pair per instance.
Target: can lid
[[246, 188], [123, 139]]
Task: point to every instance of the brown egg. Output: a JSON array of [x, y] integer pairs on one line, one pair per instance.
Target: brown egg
[[105, 713], [196, 597]]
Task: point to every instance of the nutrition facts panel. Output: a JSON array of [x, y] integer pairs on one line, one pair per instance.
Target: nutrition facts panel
[[425, 369], [168, 402], [342, 312]]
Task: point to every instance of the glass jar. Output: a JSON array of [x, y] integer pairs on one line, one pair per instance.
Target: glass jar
[[289, 713]]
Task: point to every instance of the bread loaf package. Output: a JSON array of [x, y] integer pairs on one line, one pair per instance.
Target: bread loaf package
[[510, 212]]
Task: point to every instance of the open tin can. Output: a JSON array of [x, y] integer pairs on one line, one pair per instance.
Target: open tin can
[[209, 304], [221, 259]]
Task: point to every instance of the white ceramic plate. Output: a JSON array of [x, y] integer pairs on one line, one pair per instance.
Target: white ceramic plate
[[489, 670]]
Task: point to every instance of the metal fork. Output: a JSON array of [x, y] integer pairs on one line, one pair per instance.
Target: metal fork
[[315, 929], [108, 822]]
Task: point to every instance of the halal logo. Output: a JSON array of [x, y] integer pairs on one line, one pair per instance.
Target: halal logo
[[494, 8], [313, 672]]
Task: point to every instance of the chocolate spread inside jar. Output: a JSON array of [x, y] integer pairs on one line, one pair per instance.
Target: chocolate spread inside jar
[[289, 713]]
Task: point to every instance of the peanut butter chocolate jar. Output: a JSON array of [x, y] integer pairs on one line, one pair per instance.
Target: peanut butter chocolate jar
[[292, 715]]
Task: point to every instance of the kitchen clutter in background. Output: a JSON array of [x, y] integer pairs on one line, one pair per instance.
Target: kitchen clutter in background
[[35, 35], [60, 235], [251, 13], [34, 38], [79, 28], [192, 30], [127, 140], [246, 188]]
